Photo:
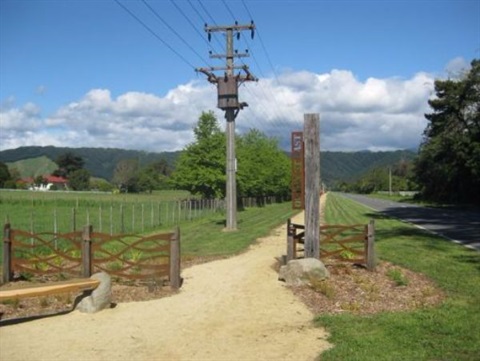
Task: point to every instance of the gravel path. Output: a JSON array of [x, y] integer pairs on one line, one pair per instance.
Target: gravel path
[[232, 309]]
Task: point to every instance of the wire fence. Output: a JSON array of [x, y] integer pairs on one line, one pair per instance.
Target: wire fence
[[113, 217]]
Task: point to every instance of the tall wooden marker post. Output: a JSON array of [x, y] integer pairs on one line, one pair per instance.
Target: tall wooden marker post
[[311, 137], [227, 86]]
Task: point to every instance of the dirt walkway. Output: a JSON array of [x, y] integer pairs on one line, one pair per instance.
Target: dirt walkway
[[232, 309]]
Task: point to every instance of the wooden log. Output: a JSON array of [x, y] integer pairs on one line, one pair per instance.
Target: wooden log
[[51, 289]]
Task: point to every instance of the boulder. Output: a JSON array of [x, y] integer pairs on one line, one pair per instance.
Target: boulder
[[100, 297], [299, 272]]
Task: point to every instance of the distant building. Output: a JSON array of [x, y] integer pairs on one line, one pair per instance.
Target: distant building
[[51, 181]]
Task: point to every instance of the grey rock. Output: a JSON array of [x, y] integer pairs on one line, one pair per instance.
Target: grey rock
[[100, 298], [299, 272]]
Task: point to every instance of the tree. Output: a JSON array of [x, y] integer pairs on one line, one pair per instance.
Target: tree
[[39, 181], [200, 168], [79, 180], [154, 176], [263, 168], [448, 165], [4, 174], [125, 175], [67, 164]]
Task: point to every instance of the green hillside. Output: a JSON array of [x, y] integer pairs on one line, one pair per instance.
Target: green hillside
[[101, 162], [33, 167], [343, 166]]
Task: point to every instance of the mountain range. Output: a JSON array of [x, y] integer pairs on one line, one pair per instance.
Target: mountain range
[[101, 162]]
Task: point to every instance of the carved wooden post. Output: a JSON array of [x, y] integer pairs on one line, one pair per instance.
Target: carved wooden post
[[175, 279], [371, 258], [311, 136], [87, 254], [7, 254]]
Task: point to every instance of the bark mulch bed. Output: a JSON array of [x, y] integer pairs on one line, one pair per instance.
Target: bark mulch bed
[[351, 288]]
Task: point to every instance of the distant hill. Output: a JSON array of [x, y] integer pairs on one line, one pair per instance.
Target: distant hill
[[33, 167], [101, 162], [345, 166]]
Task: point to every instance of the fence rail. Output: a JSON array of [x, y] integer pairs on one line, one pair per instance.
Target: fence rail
[[351, 243], [79, 254]]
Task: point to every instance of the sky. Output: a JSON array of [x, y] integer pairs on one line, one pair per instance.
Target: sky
[[121, 73]]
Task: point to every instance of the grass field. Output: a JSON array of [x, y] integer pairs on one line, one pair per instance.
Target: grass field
[[202, 231], [206, 238], [450, 331], [107, 212]]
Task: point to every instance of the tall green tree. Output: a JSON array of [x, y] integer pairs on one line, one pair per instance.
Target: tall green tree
[[79, 180], [200, 168], [263, 168], [67, 164], [125, 175], [154, 176], [5, 175], [448, 165]]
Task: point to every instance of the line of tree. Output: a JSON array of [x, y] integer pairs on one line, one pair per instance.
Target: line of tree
[[378, 179], [448, 165], [262, 167]]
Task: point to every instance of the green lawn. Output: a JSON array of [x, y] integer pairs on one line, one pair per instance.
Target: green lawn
[[450, 331], [107, 212], [206, 237]]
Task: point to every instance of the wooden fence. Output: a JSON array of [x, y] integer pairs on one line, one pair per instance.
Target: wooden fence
[[350, 243], [152, 258]]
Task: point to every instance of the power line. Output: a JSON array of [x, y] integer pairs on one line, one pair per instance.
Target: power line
[[284, 124], [174, 31], [205, 21], [192, 24], [154, 34], [198, 12], [261, 42], [206, 12], [228, 9]]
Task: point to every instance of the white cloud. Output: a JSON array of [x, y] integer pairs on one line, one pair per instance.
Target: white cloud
[[374, 114], [456, 68]]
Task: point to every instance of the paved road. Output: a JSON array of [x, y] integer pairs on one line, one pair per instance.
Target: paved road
[[462, 226]]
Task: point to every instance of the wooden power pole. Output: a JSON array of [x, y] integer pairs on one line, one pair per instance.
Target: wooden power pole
[[227, 87], [311, 138]]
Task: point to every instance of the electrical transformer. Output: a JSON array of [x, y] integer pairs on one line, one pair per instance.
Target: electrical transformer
[[228, 92]]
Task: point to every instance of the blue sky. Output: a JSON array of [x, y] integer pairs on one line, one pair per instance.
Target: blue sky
[[86, 73]]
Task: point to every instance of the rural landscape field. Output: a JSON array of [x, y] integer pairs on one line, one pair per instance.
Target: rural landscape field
[[240, 180]]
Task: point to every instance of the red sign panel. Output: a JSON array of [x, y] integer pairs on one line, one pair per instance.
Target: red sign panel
[[298, 173]]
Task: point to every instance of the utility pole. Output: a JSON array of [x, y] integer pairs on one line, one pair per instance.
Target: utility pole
[[227, 87]]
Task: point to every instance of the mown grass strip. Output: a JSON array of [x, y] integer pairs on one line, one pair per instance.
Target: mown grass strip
[[450, 331], [206, 237]]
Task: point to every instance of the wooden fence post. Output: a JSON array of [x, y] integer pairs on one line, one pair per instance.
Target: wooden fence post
[[7, 254], [371, 258], [175, 280], [87, 254], [311, 136], [290, 241], [74, 219]]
